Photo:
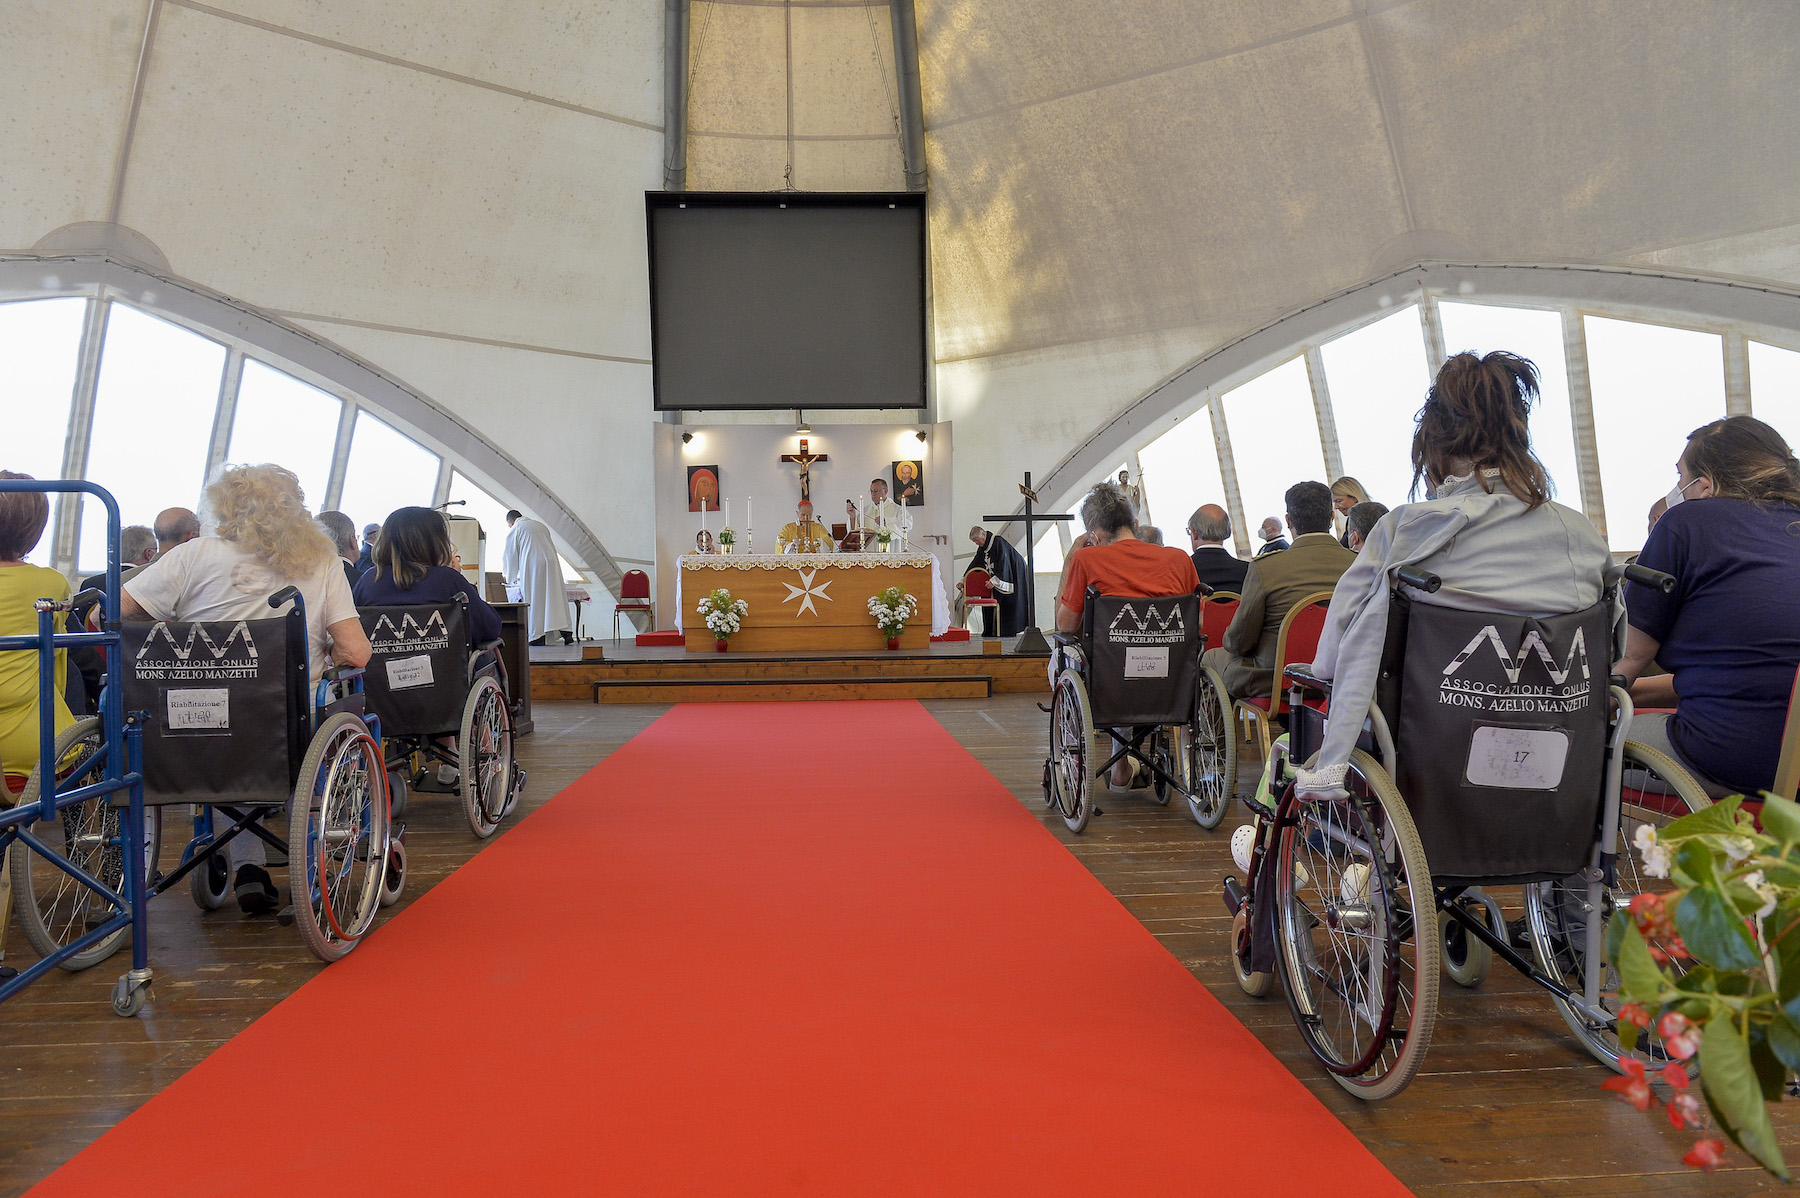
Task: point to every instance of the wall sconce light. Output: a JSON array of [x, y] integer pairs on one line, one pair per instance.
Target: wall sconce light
[[801, 425], [920, 434], [686, 437]]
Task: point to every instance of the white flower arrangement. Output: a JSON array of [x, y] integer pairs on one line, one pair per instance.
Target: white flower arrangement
[[727, 536], [724, 615], [892, 608]]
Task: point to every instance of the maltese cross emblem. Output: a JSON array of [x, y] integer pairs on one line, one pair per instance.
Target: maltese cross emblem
[[806, 592]]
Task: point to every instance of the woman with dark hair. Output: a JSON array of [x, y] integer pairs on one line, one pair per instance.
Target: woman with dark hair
[[23, 515], [1729, 635], [1486, 527], [415, 563]]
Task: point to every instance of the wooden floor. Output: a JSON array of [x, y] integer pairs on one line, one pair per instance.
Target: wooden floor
[[1507, 1104]]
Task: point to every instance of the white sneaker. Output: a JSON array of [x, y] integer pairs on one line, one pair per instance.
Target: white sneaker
[[448, 775]]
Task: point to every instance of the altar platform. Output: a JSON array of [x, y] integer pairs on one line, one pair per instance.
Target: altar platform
[[671, 674]]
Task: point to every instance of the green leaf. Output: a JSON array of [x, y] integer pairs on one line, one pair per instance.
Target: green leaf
[[1781, 817], [1735, 1093], [1640, 980], [1628, 1034], [1746, 900], [1771, 1074], [1720, 818], [1714, 932], [1784, 1042], [1694, 864]]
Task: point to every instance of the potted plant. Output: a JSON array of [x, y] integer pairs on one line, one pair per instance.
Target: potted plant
[[892, 608], [728, 538], [723, 614], [1712, 969]]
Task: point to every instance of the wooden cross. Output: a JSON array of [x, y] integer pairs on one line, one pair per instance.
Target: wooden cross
[[806, 460], [1031, 640]]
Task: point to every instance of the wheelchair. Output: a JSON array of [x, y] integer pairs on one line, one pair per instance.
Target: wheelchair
[[1212, 739], [231, 727], [425, 683], [1491, 756], [1133, 673]]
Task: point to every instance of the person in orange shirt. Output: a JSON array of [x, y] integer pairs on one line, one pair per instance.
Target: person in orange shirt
[[1115, 560]]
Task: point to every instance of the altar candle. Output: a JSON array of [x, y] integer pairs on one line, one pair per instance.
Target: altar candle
[[750, 521], [728, 513], [702, 513]]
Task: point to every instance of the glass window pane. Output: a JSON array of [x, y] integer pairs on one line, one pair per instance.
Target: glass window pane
[[40, 344], [1652, 386], [1274, 440], [1181, 472], [1537, 335], [387, 470], [488, 511], [283, 420], [1377, 378], [1775, 389], [153, 415]]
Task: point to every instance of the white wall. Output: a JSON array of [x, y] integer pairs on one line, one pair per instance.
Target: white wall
[[748, 457]]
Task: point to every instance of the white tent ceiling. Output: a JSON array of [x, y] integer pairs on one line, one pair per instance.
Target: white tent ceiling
[[453, 193]]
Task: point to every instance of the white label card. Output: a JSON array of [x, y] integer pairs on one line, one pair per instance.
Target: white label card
[[1147, 662], [405, 673], [207, 709], [1520, 758]]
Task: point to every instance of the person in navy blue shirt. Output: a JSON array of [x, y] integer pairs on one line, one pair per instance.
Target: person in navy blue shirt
[[415, 563], [1729, 634]]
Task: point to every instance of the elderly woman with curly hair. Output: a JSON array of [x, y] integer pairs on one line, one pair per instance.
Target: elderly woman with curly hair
[[262, 539]]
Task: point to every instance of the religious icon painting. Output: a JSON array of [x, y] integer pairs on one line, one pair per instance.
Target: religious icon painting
[[909, 483], [703, 483]]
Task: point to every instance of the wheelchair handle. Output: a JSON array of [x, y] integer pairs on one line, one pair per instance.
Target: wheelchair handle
[[1423, 580], [1302, 675], [1202, 590], [1655, 579], [283, 595], [86, 599]]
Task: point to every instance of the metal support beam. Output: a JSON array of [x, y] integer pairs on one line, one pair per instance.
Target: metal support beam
[[1234, 502], [1431, 325], [1581, 414], [81, 425], [1321, 394], [340, 459], [912, 105], [226, 412], [676, 14], [1737, 375]]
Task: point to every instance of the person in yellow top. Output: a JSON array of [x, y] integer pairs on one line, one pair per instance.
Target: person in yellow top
[[23, 515], [813, 536]]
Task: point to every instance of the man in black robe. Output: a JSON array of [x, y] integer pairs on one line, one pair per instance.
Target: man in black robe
[[1006, 574]]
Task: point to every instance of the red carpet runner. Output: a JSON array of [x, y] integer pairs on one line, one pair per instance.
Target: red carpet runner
[[735, 960]]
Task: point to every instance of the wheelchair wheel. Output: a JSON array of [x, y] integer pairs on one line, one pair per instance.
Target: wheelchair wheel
[[1071, 741], [210, 884], [1355, 933], [338, 837], [54, 910], [486, 744], [1212, 753], [1466, 958], [1656, 791], [1256, 985], [1168, 748]]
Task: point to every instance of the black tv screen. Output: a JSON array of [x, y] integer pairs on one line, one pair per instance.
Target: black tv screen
[[787, 300]]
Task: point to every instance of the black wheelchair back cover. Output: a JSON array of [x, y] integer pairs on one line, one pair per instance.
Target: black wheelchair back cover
[[1143, 659], [1501, 734], [226, 706], [417, 677]]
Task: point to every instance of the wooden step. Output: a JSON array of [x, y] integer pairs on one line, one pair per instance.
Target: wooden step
[[576, 680], [772, 690]]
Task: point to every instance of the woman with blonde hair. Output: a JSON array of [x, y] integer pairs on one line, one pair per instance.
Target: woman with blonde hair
[[261, 540], [1346, 493]]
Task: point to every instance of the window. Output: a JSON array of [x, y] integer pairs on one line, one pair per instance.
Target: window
[[1652, 386], [387, 470], [1274, 440], [1181, 472], [487, 510], [1537, 335], [283, 420], [1047, 557], [40, 344], [1775, 389], [153, 415], [1377, 378]]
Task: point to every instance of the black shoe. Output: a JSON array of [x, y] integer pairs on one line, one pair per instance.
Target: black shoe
[[256, 893], [538, 642], [567, 639]]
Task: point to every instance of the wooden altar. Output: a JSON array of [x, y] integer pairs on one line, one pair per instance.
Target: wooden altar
[[802, 602]]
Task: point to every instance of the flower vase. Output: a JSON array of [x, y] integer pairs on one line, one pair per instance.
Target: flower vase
[[719, 645], [893, 642]]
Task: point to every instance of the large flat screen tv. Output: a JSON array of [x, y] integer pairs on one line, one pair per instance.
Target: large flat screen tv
[[787, 300]]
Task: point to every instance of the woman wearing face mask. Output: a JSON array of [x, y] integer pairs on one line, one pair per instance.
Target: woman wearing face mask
[[1487, 529], [1729, 635]]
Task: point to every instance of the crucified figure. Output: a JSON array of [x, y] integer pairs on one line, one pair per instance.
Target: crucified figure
[[806, 460]]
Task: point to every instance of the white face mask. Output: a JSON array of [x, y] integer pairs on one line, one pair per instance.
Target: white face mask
[[1677, 493]]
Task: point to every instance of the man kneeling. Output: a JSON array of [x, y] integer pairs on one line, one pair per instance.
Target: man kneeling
[[1112, 558]]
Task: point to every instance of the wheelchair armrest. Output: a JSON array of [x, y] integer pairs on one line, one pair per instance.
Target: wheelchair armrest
[[1068, 640], [1301, 675], [342, 673], [1423, 580], [82, 600], [484, 646], [1656, 580], [283, 595]]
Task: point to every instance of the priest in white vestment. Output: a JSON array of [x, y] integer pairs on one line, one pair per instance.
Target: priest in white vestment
[[531, 564], [880, 512]]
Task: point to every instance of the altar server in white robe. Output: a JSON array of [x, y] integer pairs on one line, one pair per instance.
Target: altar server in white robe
[[531, 564]]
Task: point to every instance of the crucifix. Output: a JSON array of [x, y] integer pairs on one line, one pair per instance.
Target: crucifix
[[1031, 640], [806, 460]]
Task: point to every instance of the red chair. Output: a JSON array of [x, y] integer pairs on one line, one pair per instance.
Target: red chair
[[1298, 641], [634, 595], [1216, 611], [978, 591]]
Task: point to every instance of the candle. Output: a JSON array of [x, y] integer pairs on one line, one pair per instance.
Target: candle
[[702, 513], [728, 513], [750, 521]]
